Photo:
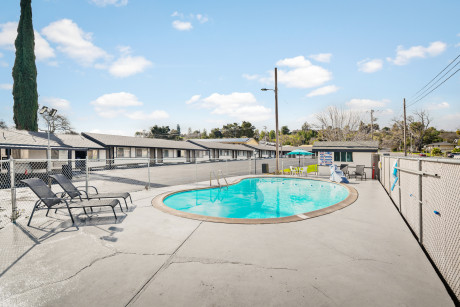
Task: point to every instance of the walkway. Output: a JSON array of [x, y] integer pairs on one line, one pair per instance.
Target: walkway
[[363, 255]]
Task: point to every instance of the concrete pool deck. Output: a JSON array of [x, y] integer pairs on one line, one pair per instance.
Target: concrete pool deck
[[362, 255]]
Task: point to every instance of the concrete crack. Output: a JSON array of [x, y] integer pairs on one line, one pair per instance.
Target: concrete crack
[[219, 261]]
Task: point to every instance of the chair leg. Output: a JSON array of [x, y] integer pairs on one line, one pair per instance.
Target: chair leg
[[113, 209], [70, 213], [32, 214], [126, 204], [47, 211], [130, 199], [84, 209]]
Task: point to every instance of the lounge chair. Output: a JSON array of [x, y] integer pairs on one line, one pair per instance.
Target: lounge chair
[[359, 172], [73, 192], [52, 201]]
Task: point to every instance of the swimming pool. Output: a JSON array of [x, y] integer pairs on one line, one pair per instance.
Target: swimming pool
[[259, 199]]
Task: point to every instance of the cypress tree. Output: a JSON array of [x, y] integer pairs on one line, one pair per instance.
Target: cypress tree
[[25, 72]]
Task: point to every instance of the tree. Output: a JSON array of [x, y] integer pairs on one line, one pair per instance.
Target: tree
[[3, 125], [178, 129], [247, 130], [58, 123], [436, 152], [272, 135], [25, 94], [337, 124], [204, 135], [231, 130], [215, 134], [418, 125], [285, 130]]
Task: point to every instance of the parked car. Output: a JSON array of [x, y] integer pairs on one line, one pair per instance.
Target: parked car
[[422, 154], [455, 155]]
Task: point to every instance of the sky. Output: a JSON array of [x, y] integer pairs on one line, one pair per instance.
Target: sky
[[120, 66]]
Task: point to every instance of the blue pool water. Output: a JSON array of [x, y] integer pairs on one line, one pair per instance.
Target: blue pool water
[[257, 198]]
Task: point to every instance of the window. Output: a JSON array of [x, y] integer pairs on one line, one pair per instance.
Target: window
[[343, 156], [54, 154], [141, 152], [165, 153], [123, 152], [93, 154]]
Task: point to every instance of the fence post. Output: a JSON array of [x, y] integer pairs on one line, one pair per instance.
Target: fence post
[[399, 184], [420, 201], [14, 210], [86, 174], [148, 169]]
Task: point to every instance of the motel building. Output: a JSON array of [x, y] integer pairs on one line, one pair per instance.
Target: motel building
[[351, 153], [223, 151], [120, 149]]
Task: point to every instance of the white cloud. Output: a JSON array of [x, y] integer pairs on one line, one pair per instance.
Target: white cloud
[[295, 62], [182, 25], [450, 122], [6, 86], [251, 77], [129, 65], [370, 66], [112, 131], [110, 2], [321, 57], [177, 14], [323, 91], [57, 103], [301, 73], [8, 33], [43, 50], [194, 98], [242, 106], [140, 115], [442, 105], [403, 56], [366, 104], [74, 42], [201, 18], [112, 105]]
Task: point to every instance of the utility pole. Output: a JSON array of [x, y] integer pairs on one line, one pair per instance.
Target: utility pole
[[405, 145], [276, 115], [372, 125]]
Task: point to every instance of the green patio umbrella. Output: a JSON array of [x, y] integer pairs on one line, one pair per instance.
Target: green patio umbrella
[[300, 152]]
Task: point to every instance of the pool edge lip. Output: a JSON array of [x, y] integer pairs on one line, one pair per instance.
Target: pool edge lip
[[158, 203]]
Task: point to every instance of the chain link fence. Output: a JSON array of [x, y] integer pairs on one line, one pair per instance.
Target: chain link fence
[[127, 175], [427, 194]]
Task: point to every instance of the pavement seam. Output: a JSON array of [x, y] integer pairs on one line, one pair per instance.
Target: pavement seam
[[162, 268]]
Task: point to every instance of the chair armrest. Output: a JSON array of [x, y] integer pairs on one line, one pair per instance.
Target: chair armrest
[[90, 186]]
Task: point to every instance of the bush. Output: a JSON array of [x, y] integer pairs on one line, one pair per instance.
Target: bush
[[456, 150], [436, 152]]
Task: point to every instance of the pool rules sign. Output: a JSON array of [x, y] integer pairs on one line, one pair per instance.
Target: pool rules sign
[[325, 158]]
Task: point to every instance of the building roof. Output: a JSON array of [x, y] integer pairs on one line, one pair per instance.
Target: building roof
[[219, 145], [224, 140], [261, 147], [365, 146], [140, 142], [440, 143], [22, 139], [77, 140]]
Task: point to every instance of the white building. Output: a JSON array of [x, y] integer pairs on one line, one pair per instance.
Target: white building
[[351, 153]]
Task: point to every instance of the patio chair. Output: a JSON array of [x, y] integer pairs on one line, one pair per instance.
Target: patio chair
[[359, 172], [73, 192], [49, 200], [293, 170]]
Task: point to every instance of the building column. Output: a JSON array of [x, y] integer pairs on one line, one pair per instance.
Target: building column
[[160, 155], [152, 155], [187, 156], [193, 152]]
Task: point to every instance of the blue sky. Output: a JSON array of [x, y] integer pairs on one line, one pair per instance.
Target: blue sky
[[119, 66]]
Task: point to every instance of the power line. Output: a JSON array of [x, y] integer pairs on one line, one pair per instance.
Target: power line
[[422, 93], [435, 88], [436, 76]]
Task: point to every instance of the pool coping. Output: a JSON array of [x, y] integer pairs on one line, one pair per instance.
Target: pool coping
[[158, 203]]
